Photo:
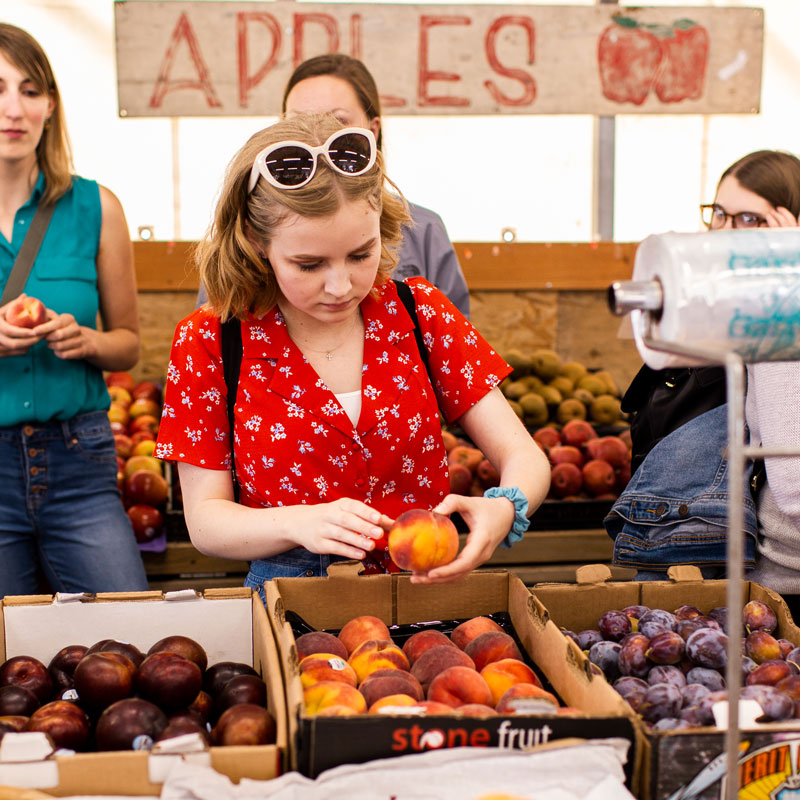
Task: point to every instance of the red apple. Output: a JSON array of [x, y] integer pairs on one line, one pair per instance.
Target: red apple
[[144, 487], [118, 427], [29, 673], [609, 448], [141, 407], [487, 474], [123, 445], [460, 478], [135, 463], [62, 667], [124, 379], [547, 438], [120, 395], [168, 680], [566, 454], [103, 678], [144, 447], [145, 422], [147, 522], [137, 437], [26, 312], [217, 675], [147, 390], [182, 646], [565, 480], [17, 701], [129, 724], [244, 724], [577, 432], [118, 413], [65, 723], [599, 477]]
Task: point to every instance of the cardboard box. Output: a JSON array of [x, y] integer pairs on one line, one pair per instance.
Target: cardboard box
[[319, 743], [231, 624], [688, 763]]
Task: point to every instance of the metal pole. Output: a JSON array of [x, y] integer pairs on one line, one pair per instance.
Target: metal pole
[[604, 155]]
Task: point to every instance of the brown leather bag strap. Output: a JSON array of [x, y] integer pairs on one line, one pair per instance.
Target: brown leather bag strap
[[27, 253]]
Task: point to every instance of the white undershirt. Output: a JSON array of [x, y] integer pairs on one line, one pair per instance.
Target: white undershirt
[[351, 403]]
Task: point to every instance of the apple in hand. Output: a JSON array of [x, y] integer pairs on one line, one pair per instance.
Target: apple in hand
[[28, 672], [129, 724], [26, 312]]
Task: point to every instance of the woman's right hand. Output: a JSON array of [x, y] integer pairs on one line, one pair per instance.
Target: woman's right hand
[[14, 340], [345, 527]]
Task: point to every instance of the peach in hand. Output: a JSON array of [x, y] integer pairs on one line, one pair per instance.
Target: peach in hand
[[457, 686], [503, 674], [361, 629], [333, 693], [26, 312], [421, 540], [376, 654], [325, 667]]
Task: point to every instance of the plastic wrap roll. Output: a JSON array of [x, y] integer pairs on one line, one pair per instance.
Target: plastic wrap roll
[[732, 291]]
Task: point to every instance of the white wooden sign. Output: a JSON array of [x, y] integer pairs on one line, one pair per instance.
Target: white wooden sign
[[234, 58]]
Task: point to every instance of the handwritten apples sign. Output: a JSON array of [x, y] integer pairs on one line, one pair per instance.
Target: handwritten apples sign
[[206, 58]]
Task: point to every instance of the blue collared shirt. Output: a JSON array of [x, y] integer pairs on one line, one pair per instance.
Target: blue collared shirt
[[38, 386]]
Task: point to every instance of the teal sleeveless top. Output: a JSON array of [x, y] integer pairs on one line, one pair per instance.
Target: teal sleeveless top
[[38, 386]]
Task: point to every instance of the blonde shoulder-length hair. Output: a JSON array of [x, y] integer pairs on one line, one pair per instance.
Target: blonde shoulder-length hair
[[53, 154], [236, 278]]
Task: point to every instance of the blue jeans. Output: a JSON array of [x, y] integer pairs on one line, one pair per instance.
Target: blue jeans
[[60, 509], [295, 563]]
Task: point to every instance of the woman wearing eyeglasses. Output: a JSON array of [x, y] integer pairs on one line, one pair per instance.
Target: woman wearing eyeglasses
[[336, 423], [679, 419]]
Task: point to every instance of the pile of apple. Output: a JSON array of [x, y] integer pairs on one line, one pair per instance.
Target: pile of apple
[[670, 666], [134, 414], [112, 696], [475, 671], [583, 463]]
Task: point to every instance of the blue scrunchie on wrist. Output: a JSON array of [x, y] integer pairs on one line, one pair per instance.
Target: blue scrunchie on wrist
[[521, 521]]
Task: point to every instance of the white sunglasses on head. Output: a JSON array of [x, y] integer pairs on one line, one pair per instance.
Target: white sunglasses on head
[[290, 165]]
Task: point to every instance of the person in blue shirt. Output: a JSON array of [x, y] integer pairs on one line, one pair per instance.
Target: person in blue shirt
[[341, 85], [61, 515]]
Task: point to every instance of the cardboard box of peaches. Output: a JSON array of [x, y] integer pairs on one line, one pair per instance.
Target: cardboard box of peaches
[[419, 690], [231, 625], [688, 763]]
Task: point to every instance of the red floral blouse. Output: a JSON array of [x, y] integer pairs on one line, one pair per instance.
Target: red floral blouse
[[294, 443]]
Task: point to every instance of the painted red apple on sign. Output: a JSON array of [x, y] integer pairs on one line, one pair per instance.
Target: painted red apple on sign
[[635, 57]]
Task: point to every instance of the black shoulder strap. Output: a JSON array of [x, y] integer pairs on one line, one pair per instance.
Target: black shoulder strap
[[407, 298], [231, 347], [27, 253]]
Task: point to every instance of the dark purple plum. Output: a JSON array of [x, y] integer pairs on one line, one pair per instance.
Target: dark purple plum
[[793, 658], [710, 678], [613, 625], [659, 615], [693, 716], [769, 673], [706, 648], [632, 689], [666, 673], [707, 622], [666, 648], [605, 655], [632, 658], [786, 647], [570, 635], [671, 724], [705, 706], [686, 627], [687, 612], [587, 638], [720, 614], [693, 693], [748, 665], [662, 700], [775, 704]]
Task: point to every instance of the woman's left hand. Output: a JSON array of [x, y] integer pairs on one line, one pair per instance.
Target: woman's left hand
[[489, 520], [66, 338]]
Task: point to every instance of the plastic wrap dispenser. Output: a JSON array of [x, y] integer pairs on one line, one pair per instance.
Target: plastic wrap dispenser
[[723, 297]]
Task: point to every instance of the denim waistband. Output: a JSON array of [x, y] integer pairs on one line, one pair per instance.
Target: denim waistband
[[93, 422]]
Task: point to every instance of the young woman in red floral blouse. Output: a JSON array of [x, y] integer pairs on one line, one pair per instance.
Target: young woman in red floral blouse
[[337, 428]]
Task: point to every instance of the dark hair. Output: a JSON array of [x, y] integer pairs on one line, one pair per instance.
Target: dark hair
[[771, 174], [339, 65]]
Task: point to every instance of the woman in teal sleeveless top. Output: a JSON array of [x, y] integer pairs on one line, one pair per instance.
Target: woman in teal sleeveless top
[[61, 515]]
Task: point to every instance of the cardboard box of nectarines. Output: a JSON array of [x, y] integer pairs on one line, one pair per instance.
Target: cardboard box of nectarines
[[671, 664], [470, 663], [218, 646]]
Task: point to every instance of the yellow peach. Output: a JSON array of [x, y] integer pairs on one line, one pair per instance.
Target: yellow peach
[[421, 540]]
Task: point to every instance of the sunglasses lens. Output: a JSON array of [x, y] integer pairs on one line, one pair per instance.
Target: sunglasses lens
[[350, 153], [290, 166]]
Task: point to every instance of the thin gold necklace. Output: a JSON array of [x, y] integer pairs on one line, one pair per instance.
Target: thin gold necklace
[[329, 353]]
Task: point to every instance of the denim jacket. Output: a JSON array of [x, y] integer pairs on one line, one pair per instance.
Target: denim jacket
[[674, 510]]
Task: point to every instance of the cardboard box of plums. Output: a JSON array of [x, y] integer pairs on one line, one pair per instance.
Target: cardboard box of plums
[[690, 762], [240, 706], [437, 681]]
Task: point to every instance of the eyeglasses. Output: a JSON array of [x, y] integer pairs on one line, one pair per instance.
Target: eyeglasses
[[290, 165], [716, 217]]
